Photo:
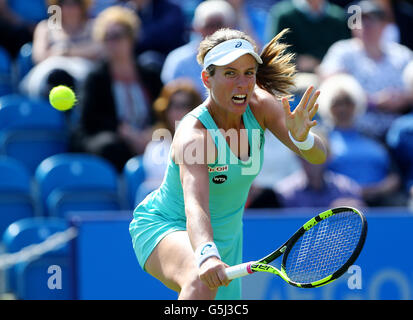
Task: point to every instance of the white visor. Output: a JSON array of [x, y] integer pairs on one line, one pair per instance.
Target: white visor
[[229, 51]]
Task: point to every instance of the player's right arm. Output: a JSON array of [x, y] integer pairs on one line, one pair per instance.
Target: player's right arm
[[190, 152]]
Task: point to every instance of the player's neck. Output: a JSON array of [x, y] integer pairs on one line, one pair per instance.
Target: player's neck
[[224, 119]]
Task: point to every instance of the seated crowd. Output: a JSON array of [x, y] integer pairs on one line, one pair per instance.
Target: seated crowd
[[133, 67]]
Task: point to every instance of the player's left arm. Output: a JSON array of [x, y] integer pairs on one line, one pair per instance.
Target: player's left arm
[[276, 116]]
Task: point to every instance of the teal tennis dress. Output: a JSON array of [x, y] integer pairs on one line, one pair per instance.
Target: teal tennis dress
[[230, 178]]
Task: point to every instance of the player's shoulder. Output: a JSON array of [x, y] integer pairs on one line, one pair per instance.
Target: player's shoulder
[[263, 103], [190, 129], [191, 139]]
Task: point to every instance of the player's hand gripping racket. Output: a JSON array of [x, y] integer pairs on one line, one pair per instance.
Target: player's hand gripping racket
[[318, 253]]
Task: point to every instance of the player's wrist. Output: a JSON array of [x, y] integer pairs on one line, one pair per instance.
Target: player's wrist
[[206, 251], [307, 144]]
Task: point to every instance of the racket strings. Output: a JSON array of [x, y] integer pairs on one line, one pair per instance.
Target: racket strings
[[325, 248]]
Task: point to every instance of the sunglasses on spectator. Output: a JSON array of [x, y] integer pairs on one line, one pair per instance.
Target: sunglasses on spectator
[[115, 36], [371, 19], [343, 101], [69, 2]]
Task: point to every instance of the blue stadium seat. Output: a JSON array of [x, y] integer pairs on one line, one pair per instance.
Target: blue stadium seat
[[33, 279], [12, 99], [31, 11], [6, 85], [134, 176], [28, 279], [77, 182], [24, 62], [16, 201], [31, 130]]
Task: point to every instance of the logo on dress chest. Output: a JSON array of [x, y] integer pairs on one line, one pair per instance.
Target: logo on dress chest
[[219, 179], [218, 168]]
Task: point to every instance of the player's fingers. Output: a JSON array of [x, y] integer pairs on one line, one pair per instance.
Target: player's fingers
[[206, 278], [313, 123], [214, 276], [219, 278], [313, 100], [225, 281], [223, 276], [214, 281], [313, 111], [305, 97], [286, 106], [210, 278]]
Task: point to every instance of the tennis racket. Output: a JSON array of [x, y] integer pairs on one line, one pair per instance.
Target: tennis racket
[[318, 253]]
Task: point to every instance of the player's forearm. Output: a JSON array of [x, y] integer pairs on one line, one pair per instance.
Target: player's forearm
[[199, 227], [194, 179], [317, 154], [206, 253]]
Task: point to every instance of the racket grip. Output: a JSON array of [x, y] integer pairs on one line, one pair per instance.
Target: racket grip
[[239, 270]]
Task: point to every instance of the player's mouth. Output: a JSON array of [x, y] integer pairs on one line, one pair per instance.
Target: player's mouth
[[239, 99]]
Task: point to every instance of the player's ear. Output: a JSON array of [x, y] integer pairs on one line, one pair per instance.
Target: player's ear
[[206, 78]]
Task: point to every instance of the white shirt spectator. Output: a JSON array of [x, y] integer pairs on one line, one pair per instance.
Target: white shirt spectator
[[349, 56]]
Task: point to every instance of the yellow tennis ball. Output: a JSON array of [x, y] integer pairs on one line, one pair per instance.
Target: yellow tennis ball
[[62, 98]]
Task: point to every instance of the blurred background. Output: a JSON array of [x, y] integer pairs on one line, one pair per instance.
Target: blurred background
[[69, 181]]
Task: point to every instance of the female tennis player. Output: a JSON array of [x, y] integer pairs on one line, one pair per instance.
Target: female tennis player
[[189, 230]]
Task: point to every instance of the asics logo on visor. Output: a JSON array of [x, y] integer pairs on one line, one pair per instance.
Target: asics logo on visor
[[228, 51]]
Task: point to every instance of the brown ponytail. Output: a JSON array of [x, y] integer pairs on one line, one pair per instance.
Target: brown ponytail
[[276, 73]]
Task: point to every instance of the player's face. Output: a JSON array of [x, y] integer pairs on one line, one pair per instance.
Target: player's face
[[231, 86]]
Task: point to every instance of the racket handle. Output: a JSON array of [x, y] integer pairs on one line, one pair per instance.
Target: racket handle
[[239, 270]]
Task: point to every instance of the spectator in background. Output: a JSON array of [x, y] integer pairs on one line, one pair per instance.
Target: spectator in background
[[365, 160], [244, 20], [342, 3], [18, 19], [391, 31], [408, 82], [99, 5], [68, 47], [162, 30], [400, 140], [116, 100], [377, 66], [176, 99], [403, 17], [279, 161], [317, 186], [209, 16], [188, 8], [74, 38], [314, 26], [162, 25]]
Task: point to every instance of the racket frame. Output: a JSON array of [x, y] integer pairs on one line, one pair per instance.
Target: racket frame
[[262, 265]]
